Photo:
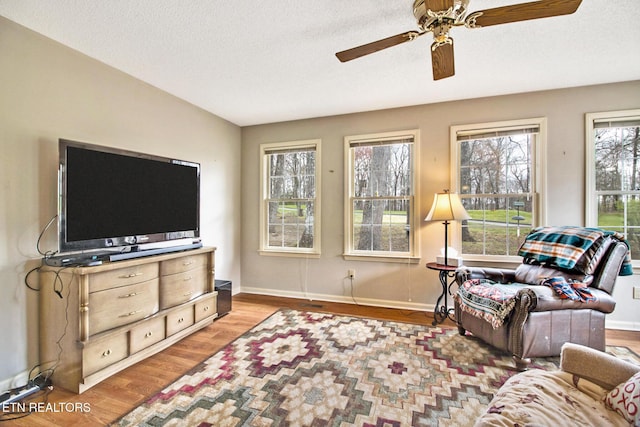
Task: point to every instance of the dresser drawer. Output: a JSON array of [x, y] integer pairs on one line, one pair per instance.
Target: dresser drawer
[[179, 320], [182, 264], [205, 308], [150, 332], [182, 287], [102, 353], [122, 277], [120, 306]]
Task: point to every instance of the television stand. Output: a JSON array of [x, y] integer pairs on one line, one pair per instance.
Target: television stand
[[108, 317]]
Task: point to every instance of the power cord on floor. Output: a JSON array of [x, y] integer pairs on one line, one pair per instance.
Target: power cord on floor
[[10, 400], [42, 380], [351, 280]]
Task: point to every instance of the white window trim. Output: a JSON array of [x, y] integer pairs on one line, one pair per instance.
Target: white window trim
[[414, 245], [591, 205], [264, 248], [539, 178]]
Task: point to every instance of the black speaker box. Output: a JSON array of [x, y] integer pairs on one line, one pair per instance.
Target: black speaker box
[[224, 296]]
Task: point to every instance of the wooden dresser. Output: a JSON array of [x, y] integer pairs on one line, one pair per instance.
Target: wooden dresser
[[113, 315]]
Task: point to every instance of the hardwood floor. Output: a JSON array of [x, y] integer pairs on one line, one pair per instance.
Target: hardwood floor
[[119, 394]]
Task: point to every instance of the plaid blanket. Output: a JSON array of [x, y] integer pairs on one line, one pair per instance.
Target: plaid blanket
[[564, 246]]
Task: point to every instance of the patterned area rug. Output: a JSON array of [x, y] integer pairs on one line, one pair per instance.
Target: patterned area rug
[[313, 369]]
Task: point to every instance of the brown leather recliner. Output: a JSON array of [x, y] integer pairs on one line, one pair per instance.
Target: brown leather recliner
[[541, 322]]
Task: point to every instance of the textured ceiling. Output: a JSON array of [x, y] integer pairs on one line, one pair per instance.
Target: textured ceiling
[[256, 62]]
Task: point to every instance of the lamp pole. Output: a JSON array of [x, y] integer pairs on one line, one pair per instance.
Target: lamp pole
[[446, 241]]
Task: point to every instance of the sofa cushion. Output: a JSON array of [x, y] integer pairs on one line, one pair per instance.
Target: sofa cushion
[[625, 399]]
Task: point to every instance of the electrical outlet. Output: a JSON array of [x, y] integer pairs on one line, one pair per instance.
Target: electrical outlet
[[351, 274], [636, 292]]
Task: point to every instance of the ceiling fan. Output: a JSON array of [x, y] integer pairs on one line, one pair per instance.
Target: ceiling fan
[[439, 16]]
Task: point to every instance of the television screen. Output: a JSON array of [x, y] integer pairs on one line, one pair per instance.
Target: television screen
[[111, 197]]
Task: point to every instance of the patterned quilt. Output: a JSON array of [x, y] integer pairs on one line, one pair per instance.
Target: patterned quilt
[[539, 398], [488, 300]]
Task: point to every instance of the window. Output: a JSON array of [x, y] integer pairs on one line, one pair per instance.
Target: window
[[497, 170], [290, 208], [613, 174], [381, 215]]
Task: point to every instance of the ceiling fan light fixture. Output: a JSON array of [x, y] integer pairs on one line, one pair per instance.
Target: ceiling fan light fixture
[[441, 36]]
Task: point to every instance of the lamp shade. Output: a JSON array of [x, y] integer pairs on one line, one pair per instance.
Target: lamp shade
[[447, 207]]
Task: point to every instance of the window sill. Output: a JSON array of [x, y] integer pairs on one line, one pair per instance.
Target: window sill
[[382, 258], [290, 254], [492, 261]]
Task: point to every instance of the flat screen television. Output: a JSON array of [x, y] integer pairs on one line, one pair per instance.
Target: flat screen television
[[122, 200]]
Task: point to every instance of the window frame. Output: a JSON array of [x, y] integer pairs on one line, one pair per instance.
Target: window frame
[[538, 181], [591, 193], [264, 248], [413, 256]]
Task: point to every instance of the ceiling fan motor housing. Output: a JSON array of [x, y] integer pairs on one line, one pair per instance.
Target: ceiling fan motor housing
[[437, 13]]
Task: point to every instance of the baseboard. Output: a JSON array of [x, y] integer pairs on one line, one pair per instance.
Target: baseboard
[[17, 381], [621, 325], [404, 305]]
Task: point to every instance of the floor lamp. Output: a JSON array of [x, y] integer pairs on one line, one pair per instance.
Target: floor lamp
[[447, 207]]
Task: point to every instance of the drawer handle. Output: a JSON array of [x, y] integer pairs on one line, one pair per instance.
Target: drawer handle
[[148, 334], [130, 313], [188, 262], [206, 308], [106, 353], [180, 320], [132, 294], [187, 293], [128, 276], [186, 279]]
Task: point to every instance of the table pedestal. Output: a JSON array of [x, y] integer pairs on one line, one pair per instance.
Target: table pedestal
[[442, 310]]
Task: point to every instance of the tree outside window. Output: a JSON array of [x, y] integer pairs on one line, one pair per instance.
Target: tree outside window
[[380, 196], [613, 178], [495, 176], [290, 208]]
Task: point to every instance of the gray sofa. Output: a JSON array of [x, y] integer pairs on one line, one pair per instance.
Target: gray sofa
[[574, 395]]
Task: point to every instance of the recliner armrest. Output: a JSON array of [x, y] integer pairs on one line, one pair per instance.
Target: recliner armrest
[[547, 300], [500, 275]]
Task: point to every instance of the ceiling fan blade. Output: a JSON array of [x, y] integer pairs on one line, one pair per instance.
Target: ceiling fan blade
[[366, 49], [521, 12], [442, 60]]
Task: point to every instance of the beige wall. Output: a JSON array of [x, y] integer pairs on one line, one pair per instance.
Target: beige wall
[[407, 285], [48, 91]]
